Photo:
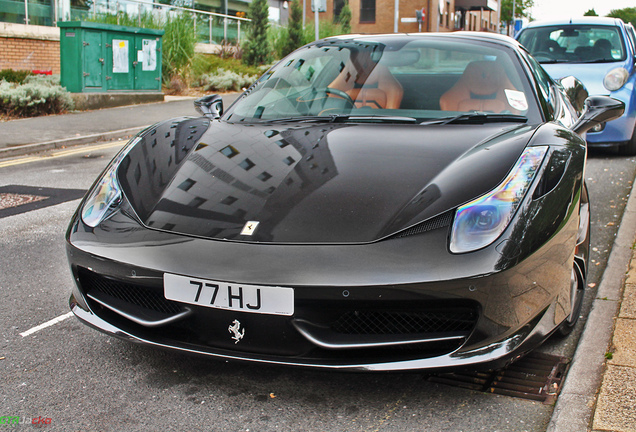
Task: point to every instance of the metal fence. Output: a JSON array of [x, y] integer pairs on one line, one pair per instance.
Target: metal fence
[[210, 27]]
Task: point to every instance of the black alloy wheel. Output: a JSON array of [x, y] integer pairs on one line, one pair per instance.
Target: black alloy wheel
[[578, 279]]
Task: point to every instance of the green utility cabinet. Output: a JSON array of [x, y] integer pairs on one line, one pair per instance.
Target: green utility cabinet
[[96, 57]]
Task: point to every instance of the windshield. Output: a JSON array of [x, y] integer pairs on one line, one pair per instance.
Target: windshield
[[574, 44], [389, 80]]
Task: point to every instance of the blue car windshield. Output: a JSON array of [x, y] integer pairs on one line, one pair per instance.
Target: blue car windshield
[[390, 79], [570, 43]]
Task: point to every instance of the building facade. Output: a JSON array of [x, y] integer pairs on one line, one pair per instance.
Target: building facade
[[29, 38], [379, 16]]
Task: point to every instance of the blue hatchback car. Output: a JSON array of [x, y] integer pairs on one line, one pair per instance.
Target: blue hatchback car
[[600, 52]]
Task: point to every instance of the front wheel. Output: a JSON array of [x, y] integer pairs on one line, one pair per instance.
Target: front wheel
[[578, 279], [628, 149]]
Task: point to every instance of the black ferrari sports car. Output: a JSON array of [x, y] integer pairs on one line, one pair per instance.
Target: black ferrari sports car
[[371, 203]]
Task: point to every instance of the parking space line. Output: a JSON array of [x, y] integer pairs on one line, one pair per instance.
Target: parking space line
[[46, 324], [61, 153]]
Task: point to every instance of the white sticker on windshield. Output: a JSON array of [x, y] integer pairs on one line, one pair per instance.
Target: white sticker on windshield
[[517, 99]]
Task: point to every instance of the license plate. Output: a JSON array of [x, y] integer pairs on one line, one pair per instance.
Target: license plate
[[229, 296]]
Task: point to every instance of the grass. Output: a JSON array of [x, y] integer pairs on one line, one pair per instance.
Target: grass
[[206, 63]]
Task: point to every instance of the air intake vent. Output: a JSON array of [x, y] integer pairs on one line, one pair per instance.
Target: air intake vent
[[137, 295], [402, 323], [440, 221]]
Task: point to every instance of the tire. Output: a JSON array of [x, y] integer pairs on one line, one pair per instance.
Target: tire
[[628, 149], [578, 280]]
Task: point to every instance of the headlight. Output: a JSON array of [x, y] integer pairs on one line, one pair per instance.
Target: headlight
[[615, 79], [481, 221], [106, 195]]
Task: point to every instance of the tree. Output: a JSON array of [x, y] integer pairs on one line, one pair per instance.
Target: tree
[[590, 12], [626, 14], [256, 51], [345, 18], [294, 28], [522, 10]]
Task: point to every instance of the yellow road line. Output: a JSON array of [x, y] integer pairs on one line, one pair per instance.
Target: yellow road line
[[62, 153]]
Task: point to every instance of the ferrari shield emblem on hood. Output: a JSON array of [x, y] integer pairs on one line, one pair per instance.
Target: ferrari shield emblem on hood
[[249, 228]]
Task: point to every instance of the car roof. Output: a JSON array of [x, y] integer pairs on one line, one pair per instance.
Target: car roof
[[578, 21], [471, 35]]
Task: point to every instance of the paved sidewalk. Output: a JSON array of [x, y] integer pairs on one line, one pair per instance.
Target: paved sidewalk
[[616, 401], [35, 134], [605, 358], [600, 389]]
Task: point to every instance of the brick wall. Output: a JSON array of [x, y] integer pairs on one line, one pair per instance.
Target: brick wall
[[26, 53], [384, 17]]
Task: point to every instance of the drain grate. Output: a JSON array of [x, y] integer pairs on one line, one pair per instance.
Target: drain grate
[[16, 199], [537, 377]]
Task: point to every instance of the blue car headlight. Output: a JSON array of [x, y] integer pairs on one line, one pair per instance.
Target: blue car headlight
[[615, 79], [481, 221], [106, 194]]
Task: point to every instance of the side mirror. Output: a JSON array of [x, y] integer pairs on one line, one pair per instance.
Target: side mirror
[[598, 109], [210, 106], [576, 91]]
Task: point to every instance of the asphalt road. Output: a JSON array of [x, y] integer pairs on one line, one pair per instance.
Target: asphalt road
[[76, 379]]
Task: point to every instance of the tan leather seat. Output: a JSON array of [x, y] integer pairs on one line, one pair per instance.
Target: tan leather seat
[[481, 88], [379, 90]]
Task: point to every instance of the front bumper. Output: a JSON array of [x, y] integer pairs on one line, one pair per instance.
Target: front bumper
[[615, 133], [494, 355], [493, 304]]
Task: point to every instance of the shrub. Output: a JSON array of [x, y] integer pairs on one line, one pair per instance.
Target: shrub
[[345, 18], [205, 64], [294, 28], [145, 20], [256, 51], [326, 28], [14, 76], [223, 80], [178, 47], [278, 39], [33, 99], [46, 80]]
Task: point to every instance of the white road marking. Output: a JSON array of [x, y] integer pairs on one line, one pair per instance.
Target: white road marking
[[46, 324]]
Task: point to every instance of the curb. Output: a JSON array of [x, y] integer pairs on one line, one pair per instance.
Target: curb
[[20, 150], [575, 406]]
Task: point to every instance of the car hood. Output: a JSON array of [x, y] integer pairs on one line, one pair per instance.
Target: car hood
[[590, 74], [311, 183]]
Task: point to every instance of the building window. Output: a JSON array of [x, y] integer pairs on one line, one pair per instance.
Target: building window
[[367, 11], [447, 14], [264, 176], [337, 7], [229, 151], [186, 184], [247, 164]]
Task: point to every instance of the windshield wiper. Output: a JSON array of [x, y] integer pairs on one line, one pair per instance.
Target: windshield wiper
[[601, 60], [477, 118], [551, 61], [341, 118], [307, 119]]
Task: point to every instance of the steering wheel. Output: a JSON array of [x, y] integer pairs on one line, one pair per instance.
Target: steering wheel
[[339, 93]]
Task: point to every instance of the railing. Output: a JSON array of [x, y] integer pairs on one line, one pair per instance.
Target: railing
[[210, 27]]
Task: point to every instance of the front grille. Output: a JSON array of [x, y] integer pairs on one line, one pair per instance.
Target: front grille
[[137, 295], [401, 323]]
